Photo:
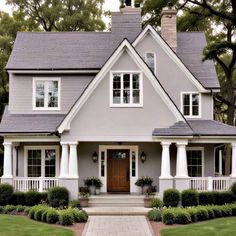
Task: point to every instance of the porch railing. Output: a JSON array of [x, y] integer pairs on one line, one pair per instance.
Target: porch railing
[[210, 183], [24, 184]]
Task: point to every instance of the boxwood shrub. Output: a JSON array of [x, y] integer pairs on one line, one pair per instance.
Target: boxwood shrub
[[66, 217], [202, 213], [58, 197], [206, 198], [20, 208], [182, 216], [193, 214], [171, 197], [2, 209], [168, 217], [156, 202], [154, 215], [39, 211], [32, 198], [233, 188], [6, 191], [44, 216], [10, 209], [190, 198], [52, 216], [18, 198]]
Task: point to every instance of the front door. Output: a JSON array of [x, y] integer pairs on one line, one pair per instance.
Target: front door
[[118, 178]]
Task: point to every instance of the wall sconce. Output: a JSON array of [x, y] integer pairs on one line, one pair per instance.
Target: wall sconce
[[143, 157], [95, 157]]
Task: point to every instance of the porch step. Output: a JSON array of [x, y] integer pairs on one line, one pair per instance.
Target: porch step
[[116, 200], [117, 211]]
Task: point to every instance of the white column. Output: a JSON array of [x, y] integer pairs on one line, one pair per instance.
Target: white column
[[220, 163], [181, 163], [73, 163], [233, 171], [7, 167], [165, 160], [64, 167]]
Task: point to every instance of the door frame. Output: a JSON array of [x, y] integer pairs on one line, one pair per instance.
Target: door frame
[[133, 149]]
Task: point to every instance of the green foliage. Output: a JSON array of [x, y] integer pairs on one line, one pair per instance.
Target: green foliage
[[144, 180], [27, 209], [74, 204], [6, 191], [18, 198], [233, 188], [58, 197], [2, 209], [52, 216], [9, 209], [156, 202], [154, 215], [206, 198], [20, 208], [202, 213], [168, 217], [182, 216], [39, 212], [32, 198], [189, 198], [226, 210], [193, 214], [171, 197], [79, 215], [32, 212], [66, 217], [217, 211]]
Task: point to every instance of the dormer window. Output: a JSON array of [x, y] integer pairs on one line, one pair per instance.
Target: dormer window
[[150, 59], [191, 104], [46, 94], [126, 89]]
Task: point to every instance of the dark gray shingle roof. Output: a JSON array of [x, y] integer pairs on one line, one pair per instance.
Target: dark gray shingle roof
[[32, 123]]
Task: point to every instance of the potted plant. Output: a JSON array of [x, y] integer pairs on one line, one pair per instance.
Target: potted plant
[[98, 185], [147, 200], [91, 182], [145, 182], [84, 199]]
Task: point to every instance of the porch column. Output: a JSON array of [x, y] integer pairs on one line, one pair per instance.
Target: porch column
[[165, 180], [233, 170], [73, 163], [64, 168], [7, 167], [182, 180]]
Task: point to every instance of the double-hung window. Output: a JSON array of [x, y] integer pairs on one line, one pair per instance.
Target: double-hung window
[[150, 59], [191, 104], [126, 89], [195, 162], [46, 93]]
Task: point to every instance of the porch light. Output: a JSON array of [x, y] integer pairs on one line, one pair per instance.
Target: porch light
[[95, 157], [143, 157]]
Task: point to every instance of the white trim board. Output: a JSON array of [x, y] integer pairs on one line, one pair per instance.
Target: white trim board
[[124, 46], [171, 54]]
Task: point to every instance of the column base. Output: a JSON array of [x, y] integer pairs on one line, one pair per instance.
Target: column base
[[182, 183], [232, 179], [7, 180], [72, 184], [164, 184]]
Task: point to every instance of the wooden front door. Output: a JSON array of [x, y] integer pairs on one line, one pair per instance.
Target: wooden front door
[[118, 177]]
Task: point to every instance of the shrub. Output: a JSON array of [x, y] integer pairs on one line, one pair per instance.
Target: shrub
[[44, 216], [20, 208], [52, 216], [233, 207], [171, 197], [154, 215], [84, 215], [32, 211], [6, 191], [168, 217], [182, 216], [39, 211], [202, 213], [226, 210], [32, 198], [206, 198], [227, 197], [193, 214], [18, 198], [9, 209], [44, 197], [144, 180], [2, 209], [74, 204], [190, 198], [210, 211], [156, 202], [27, 209], [217, 211], [233, 188], [66, 217], [58, 197]]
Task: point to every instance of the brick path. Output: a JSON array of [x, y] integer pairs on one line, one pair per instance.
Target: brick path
[[117, 226]]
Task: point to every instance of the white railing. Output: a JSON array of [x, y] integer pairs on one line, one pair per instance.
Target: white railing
[[210, 183], [24, 184]]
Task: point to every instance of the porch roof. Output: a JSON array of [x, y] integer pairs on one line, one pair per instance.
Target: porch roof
[[197, 128], [29, 123]]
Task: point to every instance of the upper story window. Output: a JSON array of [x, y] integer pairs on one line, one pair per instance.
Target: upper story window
[[150, 59], [126, 89], [46, 93], [191, 104]]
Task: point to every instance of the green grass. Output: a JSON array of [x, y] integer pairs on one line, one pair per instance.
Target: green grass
[[21, 226], [218, 227]]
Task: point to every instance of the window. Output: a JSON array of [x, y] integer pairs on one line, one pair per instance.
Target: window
[[41, 161], [126, 89], [195, 162], [191, 104], [46, 93], [150, 59]]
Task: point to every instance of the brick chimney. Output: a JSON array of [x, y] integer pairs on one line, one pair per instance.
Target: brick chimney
[[168, 25]]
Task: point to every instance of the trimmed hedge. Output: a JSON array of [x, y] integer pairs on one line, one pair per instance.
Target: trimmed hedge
[[32, 198], [189, 197], [66, 217], [156, 202], [6, 192], [58, 197], [154, 215], [171, 198], [233, 188], [18, 198], [52, 216], [168, 217], [74, 204]]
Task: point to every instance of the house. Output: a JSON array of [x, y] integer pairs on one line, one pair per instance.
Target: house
[[117, 105]]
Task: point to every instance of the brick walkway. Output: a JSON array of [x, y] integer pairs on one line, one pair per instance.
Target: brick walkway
[[117, 226]]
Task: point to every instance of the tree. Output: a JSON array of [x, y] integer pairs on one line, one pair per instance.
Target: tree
[[63, 15]]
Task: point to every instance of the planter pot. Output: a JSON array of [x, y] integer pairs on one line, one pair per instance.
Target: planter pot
[[145, 188], [84, 202], [92, 190], [97, 191], [147, 202]]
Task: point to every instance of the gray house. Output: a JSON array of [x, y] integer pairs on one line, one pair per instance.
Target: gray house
[[117, 105]]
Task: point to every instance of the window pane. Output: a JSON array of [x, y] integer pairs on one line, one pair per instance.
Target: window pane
[[150, 61], [126, 96], [116, 97], [34, 163], [116, 81], [195, 104], [40, 93], [136, 97], [135, 81], [50, 163], [186, 105], [126, 81], [52, 93], [194, 159]]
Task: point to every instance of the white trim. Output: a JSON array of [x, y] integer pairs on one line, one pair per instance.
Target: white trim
[[171, 55], [53, 71], [65, 125], [202, 149], [155, 60], [35, 138], [191, 107], [132, 148], [131, 88], [42, 148], [46, 108]]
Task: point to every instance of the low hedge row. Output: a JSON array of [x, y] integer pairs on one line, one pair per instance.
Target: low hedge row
[[191, 214], [12, 209]]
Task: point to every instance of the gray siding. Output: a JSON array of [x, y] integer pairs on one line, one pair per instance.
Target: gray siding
[[21, 92]]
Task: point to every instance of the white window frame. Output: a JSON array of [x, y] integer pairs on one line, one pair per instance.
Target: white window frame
[[46, 108], [155, 60], [131, 89], [203, 156], [191, 107], [42, 148]]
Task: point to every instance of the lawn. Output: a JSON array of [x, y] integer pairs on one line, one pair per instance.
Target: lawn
[[21, 226], [218, 227]]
